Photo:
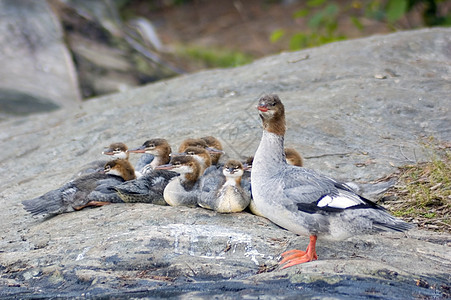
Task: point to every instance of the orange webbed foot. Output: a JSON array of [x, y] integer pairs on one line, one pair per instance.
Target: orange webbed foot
[[294, 257], [91, 203]]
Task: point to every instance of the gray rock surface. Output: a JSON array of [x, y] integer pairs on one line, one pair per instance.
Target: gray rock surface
[[355, 110], [34, 55]]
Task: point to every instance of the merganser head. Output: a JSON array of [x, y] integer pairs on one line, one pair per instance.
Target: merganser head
[[213, 143], [272, 113], [233, 169], [192, 143], [116, 151], [157, 147], [185, 165], [200, 143], [293, 157], [200, 154], [120, 167]]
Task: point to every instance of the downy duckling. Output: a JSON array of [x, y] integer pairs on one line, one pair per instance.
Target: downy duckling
[[114, 151], [182, 190], [223, 192], [213, 143], [200, 154], [150, 186], [293, 157], [157, 148], [200, 143], [92, 189]]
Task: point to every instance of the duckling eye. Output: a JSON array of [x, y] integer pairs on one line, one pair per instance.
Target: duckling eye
[[152, 146], [190, 153], [107, 168]]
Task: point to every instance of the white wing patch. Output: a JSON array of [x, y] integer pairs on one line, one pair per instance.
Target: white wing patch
[[157, 180], [341, 202]]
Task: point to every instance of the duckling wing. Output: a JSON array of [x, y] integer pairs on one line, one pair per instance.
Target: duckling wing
[[144, 159], [210, 184], [146, 189], [104, 190]]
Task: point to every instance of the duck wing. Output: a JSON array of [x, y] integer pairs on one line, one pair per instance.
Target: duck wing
[[312, 192]]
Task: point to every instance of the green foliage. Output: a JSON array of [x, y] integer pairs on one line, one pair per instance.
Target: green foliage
[[322, 18], [395, 10], [215, 58], [276, 35]]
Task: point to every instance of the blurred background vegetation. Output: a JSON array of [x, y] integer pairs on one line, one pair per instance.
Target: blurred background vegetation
[[293, 25], [117, 44]]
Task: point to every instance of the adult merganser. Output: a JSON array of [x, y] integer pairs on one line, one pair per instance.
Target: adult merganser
[[149, 187], [223, 192], [213, 143], [182, 190], [114, 151], [89, 190], [303, 201], [158, 148]]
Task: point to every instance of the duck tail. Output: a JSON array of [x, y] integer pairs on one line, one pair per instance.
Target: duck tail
[[50, 203]]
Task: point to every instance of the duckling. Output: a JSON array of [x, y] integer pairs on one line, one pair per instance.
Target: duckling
[[88, 190], [158, 148], [293, 157], [114, 151], [304, 201], [150, 186], [223, 192], [200, 154], [191, 142], [200, 143], [182, 190], [213, 143]]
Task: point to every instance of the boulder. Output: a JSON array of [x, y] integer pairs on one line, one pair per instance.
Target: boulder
[[37, 73], [356, 110]]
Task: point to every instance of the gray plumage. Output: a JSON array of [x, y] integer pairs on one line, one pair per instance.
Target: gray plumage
[[146, 189], [302, 200], [73, 195], [143, 161], [219, 195]]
